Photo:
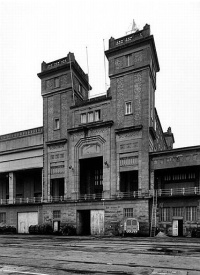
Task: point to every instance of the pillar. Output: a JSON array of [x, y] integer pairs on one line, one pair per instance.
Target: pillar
[[12, 187]]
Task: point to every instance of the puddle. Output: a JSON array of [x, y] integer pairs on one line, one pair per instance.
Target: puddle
[[166, 251]]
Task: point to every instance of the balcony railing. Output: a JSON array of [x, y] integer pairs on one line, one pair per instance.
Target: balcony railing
[[21, 200], [130, 195], [178, 191], [191, 191]]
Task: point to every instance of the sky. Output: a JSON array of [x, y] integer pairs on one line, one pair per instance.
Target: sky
[[33, 31]]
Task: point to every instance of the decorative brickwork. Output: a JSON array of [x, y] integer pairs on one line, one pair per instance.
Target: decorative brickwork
[[50, 84], [64, 80], [120, 100], [137, 96], [138, 57], [119, 63]]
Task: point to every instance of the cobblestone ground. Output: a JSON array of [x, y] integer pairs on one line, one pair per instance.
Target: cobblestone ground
[[46, 255]]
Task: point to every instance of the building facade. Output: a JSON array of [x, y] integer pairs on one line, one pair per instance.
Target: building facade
[[97, 161]]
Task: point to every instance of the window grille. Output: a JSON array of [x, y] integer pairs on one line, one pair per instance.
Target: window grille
[[165, 214], [56, 214], [178, 211], [128, 212], [191, 213], [98, 177]]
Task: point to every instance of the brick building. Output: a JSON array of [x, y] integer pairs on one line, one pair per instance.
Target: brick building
[[99, 160]]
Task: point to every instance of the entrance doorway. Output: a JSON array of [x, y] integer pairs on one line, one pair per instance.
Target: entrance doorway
[[91, 176], [90, 222], [177, 228], [83, 226]]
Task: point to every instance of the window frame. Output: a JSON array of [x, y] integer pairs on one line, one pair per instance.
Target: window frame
[[56, 123], [128, 212], [127, 111], [128, 59], [165, 214], [56, 214], [90, 116], [85, 120], [56, 82], [191, 213]]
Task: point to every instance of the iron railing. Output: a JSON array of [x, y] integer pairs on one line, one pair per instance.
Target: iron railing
[[190, 191], [178, 191]]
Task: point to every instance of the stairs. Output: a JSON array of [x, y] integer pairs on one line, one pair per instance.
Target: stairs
[[153, 214]]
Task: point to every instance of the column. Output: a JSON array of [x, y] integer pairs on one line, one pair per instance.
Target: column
[[12, 187]]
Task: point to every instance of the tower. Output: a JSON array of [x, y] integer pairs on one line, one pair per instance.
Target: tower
[[133, 64], [63, 84]]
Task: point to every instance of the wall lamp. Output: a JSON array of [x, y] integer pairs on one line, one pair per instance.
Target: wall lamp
[[70, 167], [106, 163]]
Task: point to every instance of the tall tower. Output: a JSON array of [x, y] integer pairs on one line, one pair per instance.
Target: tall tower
[[63, 85], [133, 65]]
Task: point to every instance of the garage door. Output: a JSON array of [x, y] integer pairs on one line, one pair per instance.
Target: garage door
[[25, 220]]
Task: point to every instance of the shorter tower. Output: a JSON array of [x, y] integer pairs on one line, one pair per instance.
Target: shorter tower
[[64, 84]]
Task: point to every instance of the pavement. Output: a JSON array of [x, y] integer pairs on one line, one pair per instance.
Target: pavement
[[58, 255]]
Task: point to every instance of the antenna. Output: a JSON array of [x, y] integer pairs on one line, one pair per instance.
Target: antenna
[[105, 67], [88, 71], [70, 64]]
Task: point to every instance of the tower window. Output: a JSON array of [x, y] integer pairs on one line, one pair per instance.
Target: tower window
[[128, 108], [90, 117], [128, 60], [97, 115], [83, 118], [56, 82], [57, 123]]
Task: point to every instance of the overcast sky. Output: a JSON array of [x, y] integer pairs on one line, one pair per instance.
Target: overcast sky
[[32, 31]]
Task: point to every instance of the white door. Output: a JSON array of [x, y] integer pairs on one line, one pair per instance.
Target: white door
[[25, 220], [175, 228], [97, 222]]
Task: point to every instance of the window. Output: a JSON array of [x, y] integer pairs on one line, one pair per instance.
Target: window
[[90, 117], [165, 214], [56, 214], [80, 88], [128, 108], [128, 60], [128, 212], [97, 115], [83, 118], [57, 124], [98, 177], [191, 213], [3, 217], [178, 211], [56, 82]]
